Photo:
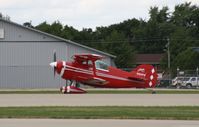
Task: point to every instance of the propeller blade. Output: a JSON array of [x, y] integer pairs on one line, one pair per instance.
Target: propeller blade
[[54, 56], [54, 60]]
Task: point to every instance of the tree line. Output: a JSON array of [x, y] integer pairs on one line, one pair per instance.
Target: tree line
[[133, 36]]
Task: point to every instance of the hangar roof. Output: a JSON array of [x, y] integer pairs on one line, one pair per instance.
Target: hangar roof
[[59, 38]]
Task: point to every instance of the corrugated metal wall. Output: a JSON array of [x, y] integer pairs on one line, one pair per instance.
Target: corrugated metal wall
[[26, 64], [25, 56]]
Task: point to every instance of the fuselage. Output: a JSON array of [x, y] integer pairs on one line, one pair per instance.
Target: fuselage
[[89, 69], [113, 77]]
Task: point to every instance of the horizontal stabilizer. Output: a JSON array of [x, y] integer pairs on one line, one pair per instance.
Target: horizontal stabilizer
[[137, 79]]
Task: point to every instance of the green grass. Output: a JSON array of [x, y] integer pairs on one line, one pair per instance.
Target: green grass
[[107, 91], [102, 112]]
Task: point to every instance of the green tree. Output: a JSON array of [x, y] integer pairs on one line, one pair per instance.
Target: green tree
[[119, 46], [141, 36], [44, 26], [187, 59]]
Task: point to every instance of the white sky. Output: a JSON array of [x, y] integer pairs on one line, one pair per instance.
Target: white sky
[[82, 13]]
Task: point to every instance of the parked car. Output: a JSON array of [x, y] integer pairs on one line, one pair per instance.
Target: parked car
[[177, 82], [187, 82], [191, 82]]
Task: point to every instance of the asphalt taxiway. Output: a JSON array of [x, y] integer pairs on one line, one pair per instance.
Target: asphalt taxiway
[[95, 123], [99, 100]]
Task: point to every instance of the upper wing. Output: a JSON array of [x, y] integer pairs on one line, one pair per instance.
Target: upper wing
[[92, 57]]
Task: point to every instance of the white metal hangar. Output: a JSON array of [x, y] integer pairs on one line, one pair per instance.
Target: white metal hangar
[[25, 54]]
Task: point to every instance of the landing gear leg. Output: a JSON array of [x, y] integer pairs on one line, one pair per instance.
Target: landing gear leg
[[72, 83], [66, 88], [71, 87], [68, 84]]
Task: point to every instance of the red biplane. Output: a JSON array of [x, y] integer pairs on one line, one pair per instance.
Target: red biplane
[[89, 69]]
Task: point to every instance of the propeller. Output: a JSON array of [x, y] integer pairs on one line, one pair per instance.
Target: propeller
[[54, 60]]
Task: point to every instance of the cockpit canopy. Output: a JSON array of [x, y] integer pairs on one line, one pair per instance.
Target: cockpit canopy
[[101, 65], [88, 59]]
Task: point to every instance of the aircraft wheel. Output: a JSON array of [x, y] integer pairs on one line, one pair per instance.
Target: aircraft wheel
[[63, 89]]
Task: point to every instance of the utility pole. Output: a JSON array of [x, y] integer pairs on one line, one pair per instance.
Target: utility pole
[[169, 59], [178, 74], [197, 76], [168, 51]]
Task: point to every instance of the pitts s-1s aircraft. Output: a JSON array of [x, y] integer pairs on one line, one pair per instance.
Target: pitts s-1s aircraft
[[89, 69]]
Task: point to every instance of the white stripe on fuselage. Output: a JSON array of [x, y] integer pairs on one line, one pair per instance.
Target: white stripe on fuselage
[[80, 70], [74, 69], [68, 69], [113, 77]]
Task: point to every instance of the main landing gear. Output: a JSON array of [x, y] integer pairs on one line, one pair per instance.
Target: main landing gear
[[70, 87]]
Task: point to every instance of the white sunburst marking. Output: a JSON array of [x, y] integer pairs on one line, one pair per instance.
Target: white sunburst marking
[[153, 70], [63, 68], [150, 83], [151, 77]]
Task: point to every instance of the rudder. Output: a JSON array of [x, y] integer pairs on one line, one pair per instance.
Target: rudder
[[148, 72]]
